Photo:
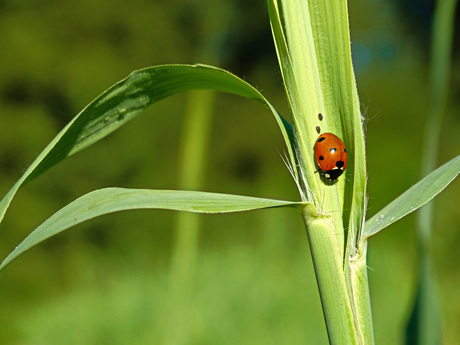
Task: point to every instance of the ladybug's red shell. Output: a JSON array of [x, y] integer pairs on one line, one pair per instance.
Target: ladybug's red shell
[[331, 156]]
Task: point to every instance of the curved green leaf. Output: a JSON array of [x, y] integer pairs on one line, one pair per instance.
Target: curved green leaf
[[414, 197], [109, 200], [128, 98]]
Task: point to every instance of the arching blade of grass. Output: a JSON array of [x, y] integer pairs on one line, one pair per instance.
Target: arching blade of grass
[[128, 98], [413, 198], [110, 200]]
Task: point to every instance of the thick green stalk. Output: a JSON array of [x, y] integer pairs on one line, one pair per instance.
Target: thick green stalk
[[342, 327], [313, 46]]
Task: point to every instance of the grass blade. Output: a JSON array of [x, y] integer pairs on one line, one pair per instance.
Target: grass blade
[[110, 200], [128, 98], [425, 326], [413, 198]]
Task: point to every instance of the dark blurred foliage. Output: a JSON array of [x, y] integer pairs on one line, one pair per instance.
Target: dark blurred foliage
[[248, 51], [20, 92], [417, 17], [255, 280]]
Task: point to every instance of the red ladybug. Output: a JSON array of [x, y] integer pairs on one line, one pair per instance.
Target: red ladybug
[[331, 156]]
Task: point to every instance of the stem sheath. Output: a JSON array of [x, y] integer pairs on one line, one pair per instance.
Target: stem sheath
[[335, 298]]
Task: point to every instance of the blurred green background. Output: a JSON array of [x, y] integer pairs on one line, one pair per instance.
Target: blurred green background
[[106, 281]]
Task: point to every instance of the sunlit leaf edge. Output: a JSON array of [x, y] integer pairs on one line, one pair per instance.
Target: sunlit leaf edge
[[110, 200]]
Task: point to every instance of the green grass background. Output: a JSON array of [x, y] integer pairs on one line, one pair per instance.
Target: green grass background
[[106, 282]]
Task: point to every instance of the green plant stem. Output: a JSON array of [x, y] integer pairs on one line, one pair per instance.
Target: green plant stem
[[196, 135], [441, 48], [335, 298], [424, 326]]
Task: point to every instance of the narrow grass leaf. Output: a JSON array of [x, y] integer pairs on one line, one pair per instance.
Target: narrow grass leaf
[[425, 323], [128, 98], [109, 200], [291, 27], [414, 197]]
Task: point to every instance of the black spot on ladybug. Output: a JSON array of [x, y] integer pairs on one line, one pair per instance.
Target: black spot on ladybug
[[333, 150], [345, 150], [321, 158], [318, 129], [332, 175], [321, 139], [339, 164], [320, 117]]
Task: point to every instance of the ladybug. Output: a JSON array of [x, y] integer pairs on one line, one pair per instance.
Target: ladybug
[[331, 156]]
